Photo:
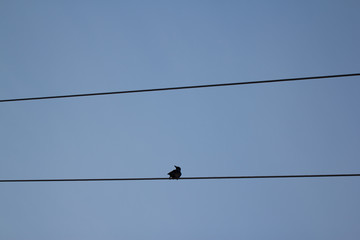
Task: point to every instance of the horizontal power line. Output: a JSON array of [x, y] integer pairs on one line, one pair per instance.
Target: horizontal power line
[[183, 178], [179, 88]]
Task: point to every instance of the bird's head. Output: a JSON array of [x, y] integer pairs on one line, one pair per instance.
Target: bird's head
[[177, 168]]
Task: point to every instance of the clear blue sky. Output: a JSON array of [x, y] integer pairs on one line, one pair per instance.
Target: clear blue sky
[[310, 127]]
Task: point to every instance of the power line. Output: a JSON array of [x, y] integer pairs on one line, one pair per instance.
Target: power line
[[183, 178], [179, 88]]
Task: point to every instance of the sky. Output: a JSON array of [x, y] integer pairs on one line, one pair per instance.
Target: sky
[[308, 127]]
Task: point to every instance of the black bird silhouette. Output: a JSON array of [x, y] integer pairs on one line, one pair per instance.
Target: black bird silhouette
[[175, 174]]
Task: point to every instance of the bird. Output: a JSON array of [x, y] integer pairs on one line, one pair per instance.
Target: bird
[[175, 174]]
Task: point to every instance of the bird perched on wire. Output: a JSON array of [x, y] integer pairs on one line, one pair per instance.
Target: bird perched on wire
[[175, 174]]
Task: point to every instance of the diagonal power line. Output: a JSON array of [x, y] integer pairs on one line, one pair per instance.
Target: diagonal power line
[[183, 178], [180, 88]]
